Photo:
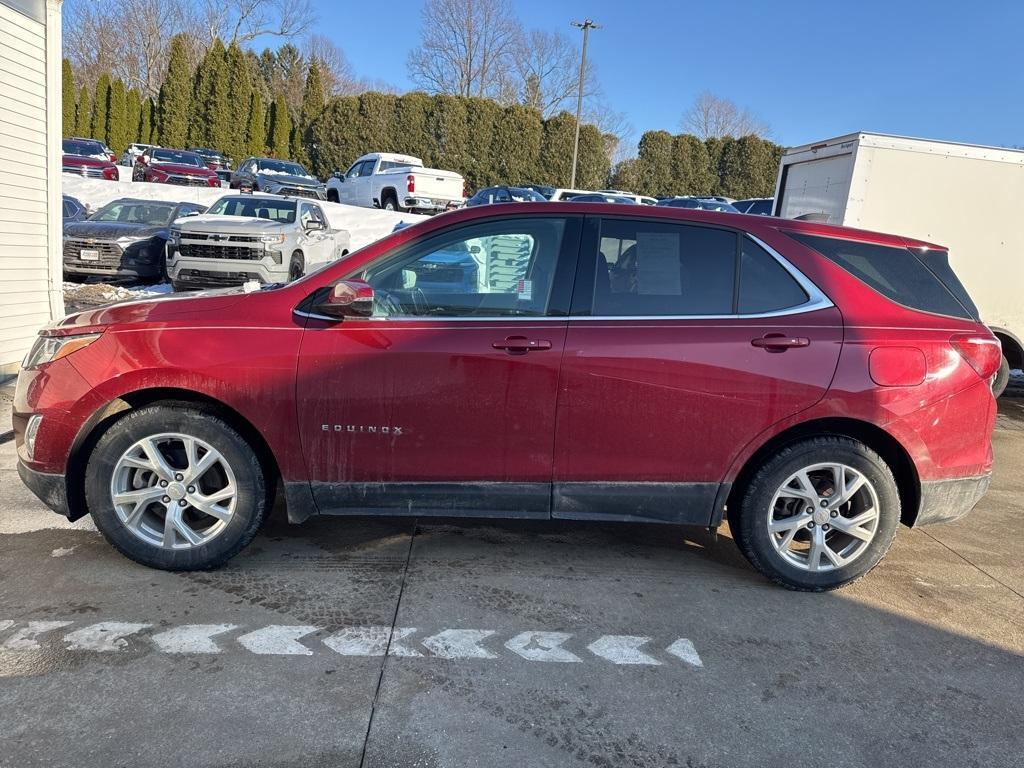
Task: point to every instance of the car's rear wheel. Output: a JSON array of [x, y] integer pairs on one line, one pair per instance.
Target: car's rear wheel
[[390, 203], [818, 515], [175, 487], [1002, 377]]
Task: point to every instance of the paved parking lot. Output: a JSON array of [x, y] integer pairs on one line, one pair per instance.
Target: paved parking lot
[[433, 643]]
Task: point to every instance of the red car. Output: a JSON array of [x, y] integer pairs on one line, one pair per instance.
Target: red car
[[814, 385], [174, 166], [90, 167]]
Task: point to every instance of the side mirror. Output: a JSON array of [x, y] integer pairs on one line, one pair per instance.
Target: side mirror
[[348, 298], [313, 225]]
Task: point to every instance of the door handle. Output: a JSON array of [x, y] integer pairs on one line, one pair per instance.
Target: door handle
[[520, 344], [780, 342]]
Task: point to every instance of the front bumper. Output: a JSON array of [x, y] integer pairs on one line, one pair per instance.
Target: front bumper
[[224, 272], [52, 490], [137, 271], [943, 501]]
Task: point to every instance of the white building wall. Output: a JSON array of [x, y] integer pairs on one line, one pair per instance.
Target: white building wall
[[30, 208]]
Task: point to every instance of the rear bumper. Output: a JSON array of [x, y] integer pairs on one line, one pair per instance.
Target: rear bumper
[[52, 490], [943, 501]]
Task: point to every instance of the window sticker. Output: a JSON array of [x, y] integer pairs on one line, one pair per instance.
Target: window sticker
[[524, 290]]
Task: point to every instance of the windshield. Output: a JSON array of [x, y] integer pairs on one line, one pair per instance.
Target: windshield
[[255, 207], [84, 148], [153, 214], [178, 156], [280, 166]]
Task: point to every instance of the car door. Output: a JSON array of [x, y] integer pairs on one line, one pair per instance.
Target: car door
[[686, 342], [357, 191], [317, 240], [443, 401], [345, 186]]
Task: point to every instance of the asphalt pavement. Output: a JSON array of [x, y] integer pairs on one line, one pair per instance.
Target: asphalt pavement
[[394, 643]]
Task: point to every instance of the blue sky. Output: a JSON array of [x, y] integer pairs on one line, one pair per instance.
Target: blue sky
[[812, 70]]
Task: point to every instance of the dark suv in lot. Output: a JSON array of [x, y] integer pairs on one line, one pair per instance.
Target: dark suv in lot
[[814, 385]]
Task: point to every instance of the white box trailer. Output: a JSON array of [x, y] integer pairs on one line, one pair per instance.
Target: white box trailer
[[965, 197]]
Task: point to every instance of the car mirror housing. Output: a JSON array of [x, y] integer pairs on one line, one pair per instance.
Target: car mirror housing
[[314, 225], [348, 298]]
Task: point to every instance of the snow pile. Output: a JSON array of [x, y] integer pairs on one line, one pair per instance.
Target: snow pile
[[364, 225], [102, 293]]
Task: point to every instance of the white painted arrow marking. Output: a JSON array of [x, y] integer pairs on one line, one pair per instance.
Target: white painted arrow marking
[[542, 646], [191, 638], [683, 649], [371, 641], [25, 639], [105, 636], [460, 644], [622, 649], [278, 640]]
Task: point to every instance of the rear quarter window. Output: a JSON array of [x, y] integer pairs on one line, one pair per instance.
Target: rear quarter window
[[916, 280]]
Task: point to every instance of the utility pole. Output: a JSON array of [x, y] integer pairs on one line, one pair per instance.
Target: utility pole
[[586, 26]]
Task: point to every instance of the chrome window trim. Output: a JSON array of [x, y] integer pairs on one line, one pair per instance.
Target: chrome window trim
[[816, 300]]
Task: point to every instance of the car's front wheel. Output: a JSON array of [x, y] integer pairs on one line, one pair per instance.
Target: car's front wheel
[[175, 487], [818, 515]]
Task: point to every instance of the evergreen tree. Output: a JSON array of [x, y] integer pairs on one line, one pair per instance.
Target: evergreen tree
[[377, 129], [256, 131], [211, 117], [83, 114], [729, 167], [240, 92], [133, 114], [100, 104], [117, 117], [627, 176], [145, 124], [280, 128], [556, 149], [482, 118], [313, 98], [413, 110], [448, 133], [334, 134], [175, 96], [592, 166], [67, 91], [655, 166], [516, 145]]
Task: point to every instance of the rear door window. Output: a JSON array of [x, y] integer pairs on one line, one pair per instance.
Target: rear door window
[[919, 280], [765, 285]]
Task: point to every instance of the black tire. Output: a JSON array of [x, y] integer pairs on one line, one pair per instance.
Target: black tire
[[1002, 377], [749, 522], [179, 287], [251, 494], [332, 196], [296, 267], [390, 203]]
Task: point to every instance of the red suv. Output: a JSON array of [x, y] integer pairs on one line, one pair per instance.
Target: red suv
[[814, 385], [174, 166]]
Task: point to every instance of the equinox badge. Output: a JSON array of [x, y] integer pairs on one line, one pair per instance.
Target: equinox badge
[[361, 429]]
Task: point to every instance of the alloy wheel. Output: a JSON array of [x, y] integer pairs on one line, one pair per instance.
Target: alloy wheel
[[823, 517], [174, 491]]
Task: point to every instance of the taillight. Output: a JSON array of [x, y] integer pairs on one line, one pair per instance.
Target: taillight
[[213, 181], [110, 174], [982, 353], [410, 183]]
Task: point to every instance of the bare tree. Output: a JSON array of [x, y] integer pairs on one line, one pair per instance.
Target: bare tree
[[549, 71], [618, 132], [715, 116], [128, 38], [466, 48], [241, 21], [335, 68]]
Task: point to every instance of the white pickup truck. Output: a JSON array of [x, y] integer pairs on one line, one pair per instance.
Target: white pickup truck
[[396, 183]]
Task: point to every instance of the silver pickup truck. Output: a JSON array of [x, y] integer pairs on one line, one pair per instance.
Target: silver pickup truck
[[267, 238]]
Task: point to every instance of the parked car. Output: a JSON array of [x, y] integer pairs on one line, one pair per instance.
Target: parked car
[[396, 183], [73, 209], [132, 152], [567, 194], [756, 206], [541, 189], [642, 199], [86, 165], [224, 175], [601, 197], [215, 159], [173, 166], [265, 238], [489, 195], [278, 177], [126, 238], [697, 203], [817, 422], [105, 152], [85, 148]]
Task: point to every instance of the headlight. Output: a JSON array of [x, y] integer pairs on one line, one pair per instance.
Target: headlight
[[49, 348], [176, 237], [124, 242], [272, 239]]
